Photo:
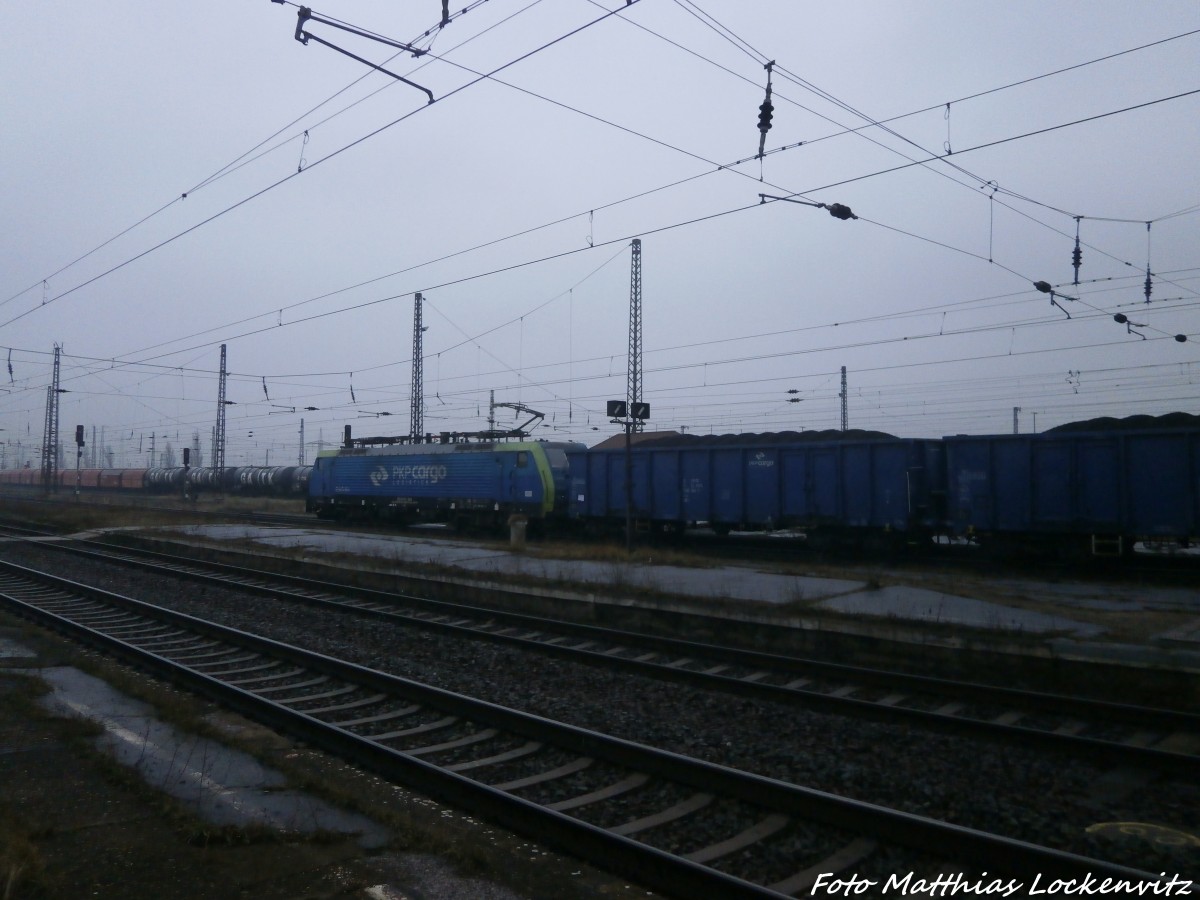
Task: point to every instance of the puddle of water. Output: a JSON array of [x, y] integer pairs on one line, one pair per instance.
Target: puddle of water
[[223, 786], [10, 649]]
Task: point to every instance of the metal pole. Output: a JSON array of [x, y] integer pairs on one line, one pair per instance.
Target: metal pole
[[628, 485]]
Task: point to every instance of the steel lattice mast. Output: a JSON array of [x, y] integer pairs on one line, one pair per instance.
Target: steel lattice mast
[[219, 433], [50, 432], [417, 426], [845, 397], [634, 389], [49, 441]]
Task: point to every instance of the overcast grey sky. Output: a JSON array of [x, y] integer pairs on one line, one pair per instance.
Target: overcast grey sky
[[322, 195]]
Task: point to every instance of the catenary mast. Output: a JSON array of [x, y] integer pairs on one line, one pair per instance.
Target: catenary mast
[[634, 389], [417, 426], [219, 432]]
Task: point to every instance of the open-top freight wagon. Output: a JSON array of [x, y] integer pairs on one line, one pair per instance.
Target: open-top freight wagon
[[1094, 492], [866, 489]]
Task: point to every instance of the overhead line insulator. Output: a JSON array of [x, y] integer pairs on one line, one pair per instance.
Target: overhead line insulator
[[765, 110]]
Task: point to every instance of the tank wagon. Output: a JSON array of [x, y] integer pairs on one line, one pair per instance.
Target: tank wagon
[[165, 480], [869, 490], [1085, 492], [467, 484], [263, 481], [254, 481]]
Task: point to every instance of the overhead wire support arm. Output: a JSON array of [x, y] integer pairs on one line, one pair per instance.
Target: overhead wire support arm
[[305, 15], [525, 427], [1046, 288], [837, 210]]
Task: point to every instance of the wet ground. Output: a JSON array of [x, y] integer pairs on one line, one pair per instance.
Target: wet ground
[[103, 799], [71, 825], [220, 785]]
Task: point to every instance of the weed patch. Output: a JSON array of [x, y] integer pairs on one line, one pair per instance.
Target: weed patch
[[22, 869]]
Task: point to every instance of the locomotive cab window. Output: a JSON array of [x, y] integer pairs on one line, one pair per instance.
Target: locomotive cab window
[[522, 459]]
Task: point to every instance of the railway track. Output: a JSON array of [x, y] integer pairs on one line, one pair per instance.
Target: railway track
[[1115, 733], [679, 825], [1160, 568]]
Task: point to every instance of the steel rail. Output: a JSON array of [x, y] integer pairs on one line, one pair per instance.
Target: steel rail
[[645, 864], [540, 635]]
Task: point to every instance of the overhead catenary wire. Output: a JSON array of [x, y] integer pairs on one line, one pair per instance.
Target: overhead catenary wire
[[1003, 326], [758, 357], [906, 366], [451, 93], [817, 348], [871, 122], [990, 185], [725, 167], [761, 57], [281, 311], [173, 367], [472, 6], [247, 156], [692, 221], [99, 364]]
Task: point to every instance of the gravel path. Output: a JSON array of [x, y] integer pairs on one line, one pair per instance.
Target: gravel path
[[1020, 793]]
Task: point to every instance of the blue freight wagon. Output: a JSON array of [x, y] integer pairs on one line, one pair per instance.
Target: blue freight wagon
[[467, 484], [1094, 492], [852, 490]]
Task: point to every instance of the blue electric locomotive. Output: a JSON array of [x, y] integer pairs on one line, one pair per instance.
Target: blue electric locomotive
[[467, 484]]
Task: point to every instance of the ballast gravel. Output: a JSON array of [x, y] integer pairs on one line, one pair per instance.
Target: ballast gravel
[[1030, 795]]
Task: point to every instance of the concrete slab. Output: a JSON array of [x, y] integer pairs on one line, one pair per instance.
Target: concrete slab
[[725, 583], [10, 649], [1187, 634], [919, 604], [426, 877], [1103, 597], [223, 786], [1011, 608]]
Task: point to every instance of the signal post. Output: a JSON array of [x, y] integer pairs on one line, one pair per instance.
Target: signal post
[[631, 416], [78, 458]]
